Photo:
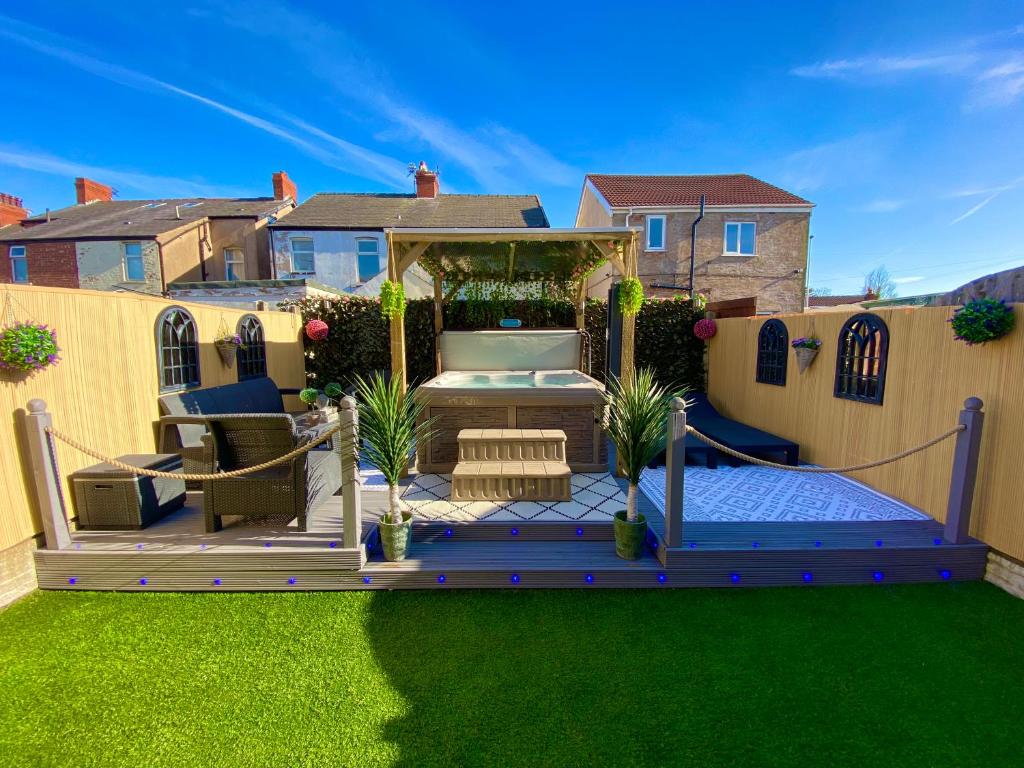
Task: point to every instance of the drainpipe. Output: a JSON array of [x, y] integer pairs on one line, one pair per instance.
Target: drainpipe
[[693, 244], [163, 274]]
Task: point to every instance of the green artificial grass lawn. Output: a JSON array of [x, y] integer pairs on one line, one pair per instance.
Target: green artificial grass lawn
[[925, 675]]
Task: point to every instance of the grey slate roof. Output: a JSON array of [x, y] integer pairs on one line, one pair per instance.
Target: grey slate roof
[[331, 210], [132, 218]]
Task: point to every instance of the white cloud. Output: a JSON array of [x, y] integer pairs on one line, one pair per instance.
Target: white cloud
[[161, 186], [340, 154], [991, 66], [990, 193], [883, 206], [975, 208], [834, 163], [908, 280]]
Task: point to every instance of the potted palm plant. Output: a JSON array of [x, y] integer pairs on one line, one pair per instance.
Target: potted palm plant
[[389, 426], [635, 420]]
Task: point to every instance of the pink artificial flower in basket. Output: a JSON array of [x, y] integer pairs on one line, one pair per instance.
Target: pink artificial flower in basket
[[317, 330], [705, 329]]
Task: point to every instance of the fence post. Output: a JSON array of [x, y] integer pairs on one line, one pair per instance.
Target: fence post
[[675, 459], [44, 475], [348, 448], [965, 472]]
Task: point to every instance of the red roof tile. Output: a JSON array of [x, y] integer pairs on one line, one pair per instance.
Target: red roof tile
[[721, 189]]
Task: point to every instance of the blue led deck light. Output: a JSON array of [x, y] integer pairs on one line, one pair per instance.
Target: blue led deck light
[[817, 543], [878, 542], [73, 580], [514, 531], [514, 578], [143, 581], [756, 544], [807, 577], [579, 531], [589, 578], [216, 582], [202, 546], [693, 545], [367, 579], [333, 544], [441, 579], [734, 578], [878, 575], [945, 574], [138, 546], [266, 544], [292, 580], [936, 542], [662, 578], [78, 545], [448, 532]]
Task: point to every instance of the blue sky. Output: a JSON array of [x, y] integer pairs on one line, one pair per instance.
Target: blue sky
[[904, 126]]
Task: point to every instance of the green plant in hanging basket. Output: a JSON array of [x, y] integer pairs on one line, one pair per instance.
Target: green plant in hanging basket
[[631, 296], [28, 348], [982, 320], [392, 299]]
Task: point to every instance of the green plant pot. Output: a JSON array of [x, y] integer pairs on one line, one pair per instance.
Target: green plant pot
[[630, 537], [396, 538]]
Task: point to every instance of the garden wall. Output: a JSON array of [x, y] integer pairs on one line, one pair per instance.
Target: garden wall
[[358, 342], [104, 391], [929, 375]]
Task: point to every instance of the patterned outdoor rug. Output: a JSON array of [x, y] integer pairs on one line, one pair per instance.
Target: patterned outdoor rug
[[761, 494], [595, 497]]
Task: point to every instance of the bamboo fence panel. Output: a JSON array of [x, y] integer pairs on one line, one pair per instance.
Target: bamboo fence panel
[[104, 391], [929, 375]]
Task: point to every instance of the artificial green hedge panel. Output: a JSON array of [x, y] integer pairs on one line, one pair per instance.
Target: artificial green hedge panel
[[358, 340]]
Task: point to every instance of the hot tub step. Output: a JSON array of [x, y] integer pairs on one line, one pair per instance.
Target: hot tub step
[[511, 481], [512, 445]]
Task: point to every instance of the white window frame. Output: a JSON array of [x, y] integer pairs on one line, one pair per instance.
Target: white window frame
[[24, 257], [291, 250], [359, 274], [739, 239], [124, 261], [238, 263], [664, 232]]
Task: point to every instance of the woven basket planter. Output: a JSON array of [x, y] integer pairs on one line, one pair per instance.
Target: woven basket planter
[[227, 352], [396, 538], [804, 357]]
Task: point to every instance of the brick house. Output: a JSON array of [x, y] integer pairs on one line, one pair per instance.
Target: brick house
[[752, 240], [337, 239], [142, 245]]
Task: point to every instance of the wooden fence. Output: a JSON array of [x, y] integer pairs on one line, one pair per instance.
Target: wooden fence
[[104, 391], [929, 375]]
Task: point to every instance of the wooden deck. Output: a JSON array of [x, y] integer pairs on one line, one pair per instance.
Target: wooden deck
[[177, 555]]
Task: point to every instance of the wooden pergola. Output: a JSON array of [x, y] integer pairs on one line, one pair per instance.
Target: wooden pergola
[[514, 255]]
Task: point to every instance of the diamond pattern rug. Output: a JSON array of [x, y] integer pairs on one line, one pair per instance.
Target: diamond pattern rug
[[595, 498], [762, 494]]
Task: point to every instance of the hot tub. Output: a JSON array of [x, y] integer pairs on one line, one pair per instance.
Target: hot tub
[[551, 399]]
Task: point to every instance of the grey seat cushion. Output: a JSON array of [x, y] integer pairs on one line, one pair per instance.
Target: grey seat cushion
[[252, 396]]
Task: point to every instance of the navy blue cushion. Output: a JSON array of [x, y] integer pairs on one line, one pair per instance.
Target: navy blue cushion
[[251, 396]]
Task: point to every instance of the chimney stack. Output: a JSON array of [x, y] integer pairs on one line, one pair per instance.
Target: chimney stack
[[87, 191], [427, 184], [11, 210], [284, 187]]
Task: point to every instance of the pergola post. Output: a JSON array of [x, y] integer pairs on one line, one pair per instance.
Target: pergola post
[[397, 322], [629, 264], [438, 322]]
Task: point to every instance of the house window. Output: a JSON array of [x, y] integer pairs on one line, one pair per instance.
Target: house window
[[655, 233], [134, 269], [302, 256], [740, 237], [178, 349], [860, 359], [19, 264], [252, 355], [368, 254], [234, 264], [772, 353]]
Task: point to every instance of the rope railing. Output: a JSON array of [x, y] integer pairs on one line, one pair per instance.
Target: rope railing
[[826, 470], [305, 448]]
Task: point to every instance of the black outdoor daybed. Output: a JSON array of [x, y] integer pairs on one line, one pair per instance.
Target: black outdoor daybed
[[702, 416]]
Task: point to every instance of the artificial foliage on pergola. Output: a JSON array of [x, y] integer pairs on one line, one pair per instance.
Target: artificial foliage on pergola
[[461, 256]]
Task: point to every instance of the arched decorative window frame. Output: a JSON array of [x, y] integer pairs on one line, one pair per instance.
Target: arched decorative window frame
[[781, 368], [242, 353], [161, 367], [876, 325]]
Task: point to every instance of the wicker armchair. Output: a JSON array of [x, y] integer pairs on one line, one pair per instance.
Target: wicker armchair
[[291, 489]]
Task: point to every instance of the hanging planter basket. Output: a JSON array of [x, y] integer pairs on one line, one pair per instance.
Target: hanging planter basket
[[804, 357], [228, 351]]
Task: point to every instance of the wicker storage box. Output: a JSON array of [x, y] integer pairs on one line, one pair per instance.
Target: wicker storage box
[[108, 498]]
